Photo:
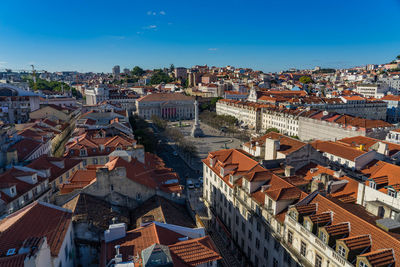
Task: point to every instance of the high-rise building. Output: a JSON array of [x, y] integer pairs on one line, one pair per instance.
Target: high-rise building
[[116, 70]]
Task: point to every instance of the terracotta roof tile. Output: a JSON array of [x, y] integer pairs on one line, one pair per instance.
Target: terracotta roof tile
[[382, 257], [35, 220]]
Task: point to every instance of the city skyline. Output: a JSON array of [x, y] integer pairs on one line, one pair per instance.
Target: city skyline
[[95, 36]]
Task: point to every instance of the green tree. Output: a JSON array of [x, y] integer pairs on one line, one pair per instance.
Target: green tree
[[137, 71], [159, 77], [305, 79], [271, 130]]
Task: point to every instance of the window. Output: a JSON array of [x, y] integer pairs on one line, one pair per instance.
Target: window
[[362, 264], [237, 220], [112, 187], [275, 263], [265, 253], [258, 227], [342, 251], [307, 225], [318, 261], [66, 252], [138, 196], [250, 235], [256, 260], [290, 237], [276, 245], [243, 227], [392, 193], [372, 185], [249, 252], [266, 234], [323, 237], [303, 249], [257, 243]]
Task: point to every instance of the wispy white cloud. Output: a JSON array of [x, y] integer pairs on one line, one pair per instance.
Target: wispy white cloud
[[212, 49], [150, 27], [155, 13]]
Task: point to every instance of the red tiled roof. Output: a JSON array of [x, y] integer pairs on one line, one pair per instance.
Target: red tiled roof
[[35, 220], [383, 257], [287, 144], [338, 149], [25, 148], [184, 253]]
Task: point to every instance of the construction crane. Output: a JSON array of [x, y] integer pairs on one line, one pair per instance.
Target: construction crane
[[34, 78]]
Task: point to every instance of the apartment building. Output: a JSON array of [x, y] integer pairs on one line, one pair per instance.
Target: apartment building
[[275, 147], [324, 125], [372, 90], [97, 94], [94, 146], [393, 136], [38, 235], [393, 107], [283, 119], [36, 181], [248, 203], [16, 104], [353, 105], [125, 180], [268, 221], [247, 113]]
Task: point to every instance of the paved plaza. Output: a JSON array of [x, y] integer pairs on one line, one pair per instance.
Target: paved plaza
[[211, 141]]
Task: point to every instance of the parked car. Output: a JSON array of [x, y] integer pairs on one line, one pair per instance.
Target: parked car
[[197, 185], [190, 184]]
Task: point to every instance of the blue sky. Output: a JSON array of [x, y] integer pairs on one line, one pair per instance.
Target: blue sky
[[88, 35]]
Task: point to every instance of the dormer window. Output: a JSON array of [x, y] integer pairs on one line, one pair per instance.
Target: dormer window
[[12, 190], [362, 264], [221, 172], [307, 225], [341, 251], [83, 152], [292, 214], [392, 193], [231, 179], [372, 184], [211, 162], [323, 237]]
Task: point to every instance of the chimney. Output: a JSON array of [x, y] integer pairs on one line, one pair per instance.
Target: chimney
[[289, 171], [118, 257], [265, 187]]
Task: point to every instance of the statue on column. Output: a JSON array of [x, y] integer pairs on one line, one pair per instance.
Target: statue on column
[[196, 130]]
